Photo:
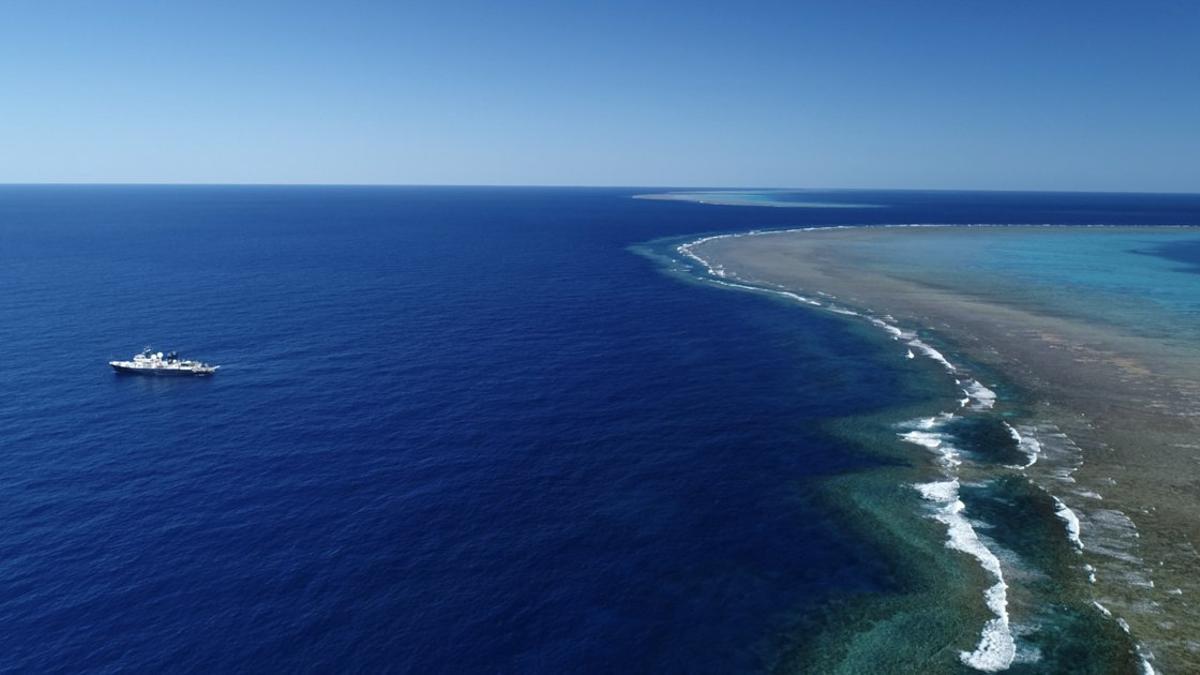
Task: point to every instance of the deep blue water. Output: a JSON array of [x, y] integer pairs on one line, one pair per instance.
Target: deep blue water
[[455, 430], [1186, 253]]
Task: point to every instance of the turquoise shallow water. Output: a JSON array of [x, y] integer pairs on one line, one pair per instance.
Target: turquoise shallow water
[[1138, 280]]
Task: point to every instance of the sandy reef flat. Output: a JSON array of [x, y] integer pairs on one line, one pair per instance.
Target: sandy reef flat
[[1124, 403]]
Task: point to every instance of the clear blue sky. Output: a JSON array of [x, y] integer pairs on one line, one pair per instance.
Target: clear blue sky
[[921, 94]]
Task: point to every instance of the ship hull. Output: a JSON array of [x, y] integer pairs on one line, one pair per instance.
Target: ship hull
[[158, 372]]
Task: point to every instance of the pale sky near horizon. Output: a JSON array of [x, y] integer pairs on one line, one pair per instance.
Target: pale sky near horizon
[[954, 94]]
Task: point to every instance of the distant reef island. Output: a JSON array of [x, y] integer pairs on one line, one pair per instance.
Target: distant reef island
[[784, 199]]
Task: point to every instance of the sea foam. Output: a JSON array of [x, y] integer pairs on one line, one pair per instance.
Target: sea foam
[[1071, 520], [996, 649], [1026, 443], [932, 353], [981, 397], [926, 432]]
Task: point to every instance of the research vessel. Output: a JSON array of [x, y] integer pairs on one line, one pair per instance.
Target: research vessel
[[150, 362]]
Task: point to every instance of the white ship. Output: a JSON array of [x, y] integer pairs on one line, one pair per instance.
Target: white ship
[[150, 362]]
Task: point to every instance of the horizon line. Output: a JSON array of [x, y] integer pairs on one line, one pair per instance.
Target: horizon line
[[675, 188]]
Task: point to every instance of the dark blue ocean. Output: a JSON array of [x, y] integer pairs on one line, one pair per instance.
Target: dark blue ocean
[[455, 430]]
